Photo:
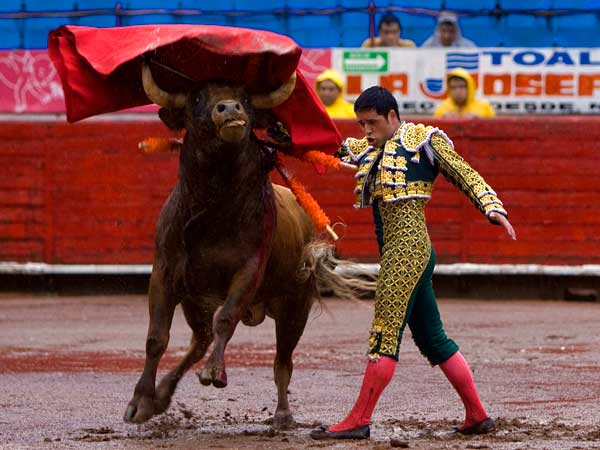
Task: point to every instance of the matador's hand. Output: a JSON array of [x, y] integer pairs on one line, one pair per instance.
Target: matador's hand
[[501, 219]]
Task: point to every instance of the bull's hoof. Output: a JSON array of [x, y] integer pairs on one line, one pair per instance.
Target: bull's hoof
[[221, 380], [139, 410], [283, 421], [205, 378], [213, 375]]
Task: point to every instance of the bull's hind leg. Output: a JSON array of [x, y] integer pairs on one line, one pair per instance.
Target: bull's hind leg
[[199, 321], [143, 404], [289, 324]]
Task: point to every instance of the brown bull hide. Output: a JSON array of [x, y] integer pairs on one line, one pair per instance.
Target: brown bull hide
[[230, 246]]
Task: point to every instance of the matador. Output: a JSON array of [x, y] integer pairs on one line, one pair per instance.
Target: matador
[[397, 163]]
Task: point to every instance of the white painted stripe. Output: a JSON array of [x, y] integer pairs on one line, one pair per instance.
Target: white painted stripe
[[32, 268], [592, 270], [61, 117]]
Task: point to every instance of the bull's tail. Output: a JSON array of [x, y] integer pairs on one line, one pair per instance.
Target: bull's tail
[[345, 279]]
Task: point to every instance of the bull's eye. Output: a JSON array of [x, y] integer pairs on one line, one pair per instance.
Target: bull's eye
[[220, 108], [238, 107]]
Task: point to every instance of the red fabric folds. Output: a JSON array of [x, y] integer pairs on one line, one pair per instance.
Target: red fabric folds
[[100, 70]]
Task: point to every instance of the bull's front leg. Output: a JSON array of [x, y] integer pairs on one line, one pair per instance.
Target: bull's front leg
[[241, 292], [144, 405]]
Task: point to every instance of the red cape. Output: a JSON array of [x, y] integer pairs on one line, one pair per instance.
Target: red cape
[[100, 70]]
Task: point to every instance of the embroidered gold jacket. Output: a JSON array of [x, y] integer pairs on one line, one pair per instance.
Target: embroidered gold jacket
[[398, 171]]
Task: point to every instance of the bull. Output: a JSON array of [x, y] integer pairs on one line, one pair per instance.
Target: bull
[[229, 245]]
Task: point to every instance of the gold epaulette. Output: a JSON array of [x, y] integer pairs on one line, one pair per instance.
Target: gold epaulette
[[417, 137], [414, 136], [353, 149]]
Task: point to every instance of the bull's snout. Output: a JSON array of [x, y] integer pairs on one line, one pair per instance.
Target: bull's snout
[[227, 107], [230, 119]]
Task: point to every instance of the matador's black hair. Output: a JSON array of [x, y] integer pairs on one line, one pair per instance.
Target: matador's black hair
[[377, 98]]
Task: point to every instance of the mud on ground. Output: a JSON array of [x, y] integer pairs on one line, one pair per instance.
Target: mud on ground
[[68, 367]]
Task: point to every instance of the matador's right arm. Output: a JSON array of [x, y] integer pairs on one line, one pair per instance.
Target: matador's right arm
[[352, 150]]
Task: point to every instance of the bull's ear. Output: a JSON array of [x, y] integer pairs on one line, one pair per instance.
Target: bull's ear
[[173, 118]]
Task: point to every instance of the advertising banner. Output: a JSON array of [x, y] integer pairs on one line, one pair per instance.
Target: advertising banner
[[29, 82], [514, 80]]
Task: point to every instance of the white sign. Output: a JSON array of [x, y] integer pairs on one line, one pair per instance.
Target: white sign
[[514, 80]]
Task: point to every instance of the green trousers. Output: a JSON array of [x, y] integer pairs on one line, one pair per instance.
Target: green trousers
[[423, 319], [422, 314]]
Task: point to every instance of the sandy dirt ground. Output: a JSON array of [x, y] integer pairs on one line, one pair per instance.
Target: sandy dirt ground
[[68, 367]]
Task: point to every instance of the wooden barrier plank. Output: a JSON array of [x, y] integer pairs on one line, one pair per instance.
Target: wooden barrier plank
[[84, 193]]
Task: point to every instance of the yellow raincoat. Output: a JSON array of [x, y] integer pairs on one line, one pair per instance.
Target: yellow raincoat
[[475, 106], [340, 109]]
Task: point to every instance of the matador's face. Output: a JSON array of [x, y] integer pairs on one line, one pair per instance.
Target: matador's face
[[377, 128]]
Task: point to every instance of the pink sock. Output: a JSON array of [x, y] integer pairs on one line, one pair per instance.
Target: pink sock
[[459, 374], [377, 376]]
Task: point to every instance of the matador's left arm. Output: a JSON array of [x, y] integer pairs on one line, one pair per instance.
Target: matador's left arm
[[456, 170]]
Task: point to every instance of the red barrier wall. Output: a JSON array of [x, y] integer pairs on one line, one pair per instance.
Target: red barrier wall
[[83, 193]]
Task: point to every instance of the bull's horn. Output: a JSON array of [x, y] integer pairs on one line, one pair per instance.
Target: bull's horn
[[277, 97], [157, 95]]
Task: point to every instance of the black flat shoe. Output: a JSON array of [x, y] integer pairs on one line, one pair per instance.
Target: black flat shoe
[[485, 426], [363, 432]]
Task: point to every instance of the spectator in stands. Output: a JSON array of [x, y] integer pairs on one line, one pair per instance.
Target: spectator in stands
[[461, 101], [447, 33], [330, 88], [389, 34]]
